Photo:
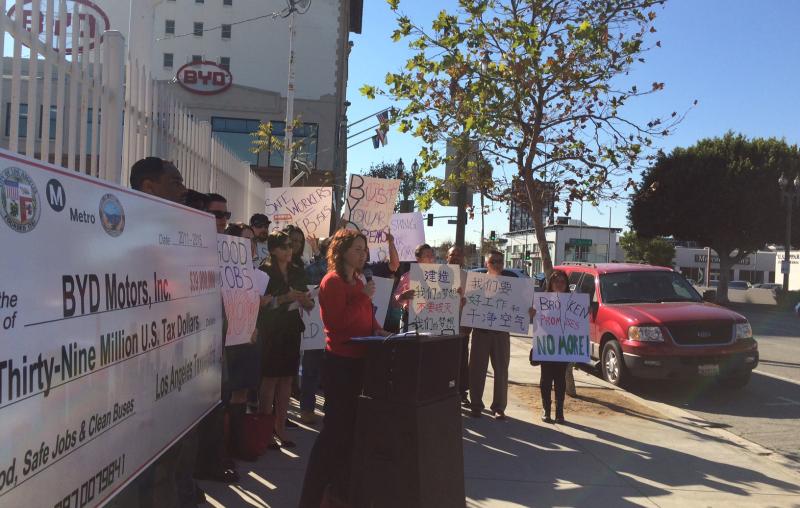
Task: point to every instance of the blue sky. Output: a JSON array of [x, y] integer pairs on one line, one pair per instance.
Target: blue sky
[[738, 58]]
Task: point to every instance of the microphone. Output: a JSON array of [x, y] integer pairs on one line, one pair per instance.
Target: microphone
[[368, 274]]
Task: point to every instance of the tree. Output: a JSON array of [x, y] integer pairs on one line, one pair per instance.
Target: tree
[[538, 85], [722, 193], [411, 185], [653, 251]]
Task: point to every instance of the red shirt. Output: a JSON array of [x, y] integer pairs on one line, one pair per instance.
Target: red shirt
[[346, 312]]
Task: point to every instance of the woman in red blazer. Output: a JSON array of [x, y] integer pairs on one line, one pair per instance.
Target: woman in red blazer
[[346, 308]]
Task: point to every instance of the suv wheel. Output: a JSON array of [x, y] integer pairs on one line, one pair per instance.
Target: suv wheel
[[735, 382], [612, 365]]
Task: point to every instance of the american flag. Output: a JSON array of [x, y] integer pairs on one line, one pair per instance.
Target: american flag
[[383, 116], [12, 190]]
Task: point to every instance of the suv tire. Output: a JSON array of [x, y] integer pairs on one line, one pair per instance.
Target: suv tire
[[612, 364], [735, 382]]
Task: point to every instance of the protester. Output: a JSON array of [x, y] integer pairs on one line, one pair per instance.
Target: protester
[[388, 269], [403, 294], [554, 373], [490, 345], [455, 256], [311, 368], [260, 225], [196, 200], [218, 207], [243, 367], [280, 327], [346, 309], [298, 242], [168, 482]]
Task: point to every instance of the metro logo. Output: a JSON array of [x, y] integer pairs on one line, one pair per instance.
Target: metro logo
[[204, 78]]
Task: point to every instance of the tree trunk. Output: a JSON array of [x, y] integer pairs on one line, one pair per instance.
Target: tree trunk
[[725, 264], [571, 390], [535, 206]]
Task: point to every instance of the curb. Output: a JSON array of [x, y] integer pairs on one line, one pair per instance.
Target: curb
[[681, 415]]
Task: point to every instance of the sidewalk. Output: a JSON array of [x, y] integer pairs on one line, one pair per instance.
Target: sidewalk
[[614, 451]]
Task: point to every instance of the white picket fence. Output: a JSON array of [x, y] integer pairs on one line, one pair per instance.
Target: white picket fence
[[58, 96]]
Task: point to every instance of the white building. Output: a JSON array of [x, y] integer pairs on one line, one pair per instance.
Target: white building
[[567, 242], [252, 45], [756, 268], [794, 268]]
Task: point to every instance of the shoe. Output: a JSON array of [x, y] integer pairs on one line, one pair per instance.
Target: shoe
[[290, 424], [308, 417], [498, 415], [546, 404], [560, 412], [221, 474], [475, 413], [560, 419], [546, 418], [464, 400]]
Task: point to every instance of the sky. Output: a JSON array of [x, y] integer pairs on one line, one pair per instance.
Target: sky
[[737, 58]]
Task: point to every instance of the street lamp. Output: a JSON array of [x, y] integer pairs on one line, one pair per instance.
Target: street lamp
[[790, 194]]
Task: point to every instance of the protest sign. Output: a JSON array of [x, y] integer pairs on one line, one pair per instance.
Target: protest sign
[[561, 327], [240, 289], [314, 334], [496, 302], [436, 302], [368, 208], [308, 208], [408, 233], [110, 344]]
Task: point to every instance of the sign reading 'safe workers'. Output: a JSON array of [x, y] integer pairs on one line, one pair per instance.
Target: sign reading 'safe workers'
[[110, 343], [308, 208], [561, 327]]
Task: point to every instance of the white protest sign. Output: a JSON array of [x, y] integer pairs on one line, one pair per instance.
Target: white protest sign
[[240, 293], [408, 233], [308, 208], [262, 254], [561, 327], [110, 346], [314, 335], [495, 302], [382, 297], [436, 302], [368, 208]]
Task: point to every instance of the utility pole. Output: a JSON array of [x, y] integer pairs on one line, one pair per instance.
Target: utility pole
[[288, 130]]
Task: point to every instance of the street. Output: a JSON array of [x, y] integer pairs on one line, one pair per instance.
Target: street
[[767, 410]]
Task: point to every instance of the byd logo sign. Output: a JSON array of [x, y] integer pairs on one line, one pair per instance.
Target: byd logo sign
[[204, 78], [90, 17]]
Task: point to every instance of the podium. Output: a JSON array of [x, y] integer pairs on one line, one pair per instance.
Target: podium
[[408, 445]]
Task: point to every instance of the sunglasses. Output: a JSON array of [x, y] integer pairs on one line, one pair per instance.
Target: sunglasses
[[220, 214]]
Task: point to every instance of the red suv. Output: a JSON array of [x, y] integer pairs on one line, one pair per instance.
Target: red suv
[[649, 322]]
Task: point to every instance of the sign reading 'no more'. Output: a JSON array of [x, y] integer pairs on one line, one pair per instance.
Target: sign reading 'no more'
[[561, 327]]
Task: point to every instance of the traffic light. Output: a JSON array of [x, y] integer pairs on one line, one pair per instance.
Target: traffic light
[[528, 255], [492, 235], [430, 219]]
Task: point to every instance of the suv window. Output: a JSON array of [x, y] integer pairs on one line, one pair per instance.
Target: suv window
[[646, 287], [587, 286], [574, 278]]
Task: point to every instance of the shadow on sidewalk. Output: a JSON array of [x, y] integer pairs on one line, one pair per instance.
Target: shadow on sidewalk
[[533, 465]]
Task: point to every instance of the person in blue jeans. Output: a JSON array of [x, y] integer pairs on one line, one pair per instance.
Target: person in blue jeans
[[311, 364]]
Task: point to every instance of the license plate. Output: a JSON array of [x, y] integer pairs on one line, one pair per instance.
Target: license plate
[[708, 370]]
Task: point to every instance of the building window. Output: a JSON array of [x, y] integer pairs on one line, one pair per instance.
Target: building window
[[225, 62], [236, 134], [227, 2], [197, 58], [306, 134], [199, 1], [226, 31], [168, 57], [23, 122], [169, 27], [198, 28]]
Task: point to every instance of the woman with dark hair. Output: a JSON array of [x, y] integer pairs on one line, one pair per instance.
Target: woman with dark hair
[[280, 326], [346, 310], [554, 373], [298, 242]]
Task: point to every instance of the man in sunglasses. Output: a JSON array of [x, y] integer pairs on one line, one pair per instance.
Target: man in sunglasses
[[218, 207], [260, 224]]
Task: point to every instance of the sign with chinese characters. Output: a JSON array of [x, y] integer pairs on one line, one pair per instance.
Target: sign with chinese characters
[[204, 78], [561, 327], [495, 302], [368, 208], [437, 301], [408, 233]]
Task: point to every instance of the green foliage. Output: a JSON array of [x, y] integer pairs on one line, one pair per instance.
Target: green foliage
[[413, 186], [531, 81], [653, 251], [721, 193]]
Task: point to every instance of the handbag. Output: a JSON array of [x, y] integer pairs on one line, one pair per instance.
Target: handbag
[[257, 430]]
